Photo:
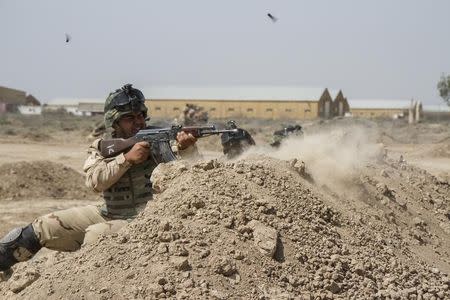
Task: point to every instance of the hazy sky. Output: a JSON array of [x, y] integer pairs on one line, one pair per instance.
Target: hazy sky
[[369, 49]]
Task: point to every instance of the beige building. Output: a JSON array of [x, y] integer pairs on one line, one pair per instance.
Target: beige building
[[242, 102], [379, 108]]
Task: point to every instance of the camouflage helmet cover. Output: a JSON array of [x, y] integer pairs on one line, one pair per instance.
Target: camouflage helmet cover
[[231, 124], [123, 101]]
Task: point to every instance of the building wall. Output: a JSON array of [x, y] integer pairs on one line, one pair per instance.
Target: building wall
[[340, 105], [74, 111], [31, 100], [377, 113], [325, 105], [91, 108], [11, 99], [436, 115], [30, 109], [225, 109]]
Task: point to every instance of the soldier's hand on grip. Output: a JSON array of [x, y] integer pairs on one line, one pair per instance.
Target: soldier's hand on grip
[[185, 140], [139, 153]]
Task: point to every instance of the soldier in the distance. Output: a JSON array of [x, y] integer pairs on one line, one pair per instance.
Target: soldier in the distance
[[235, 143], [280, 135]]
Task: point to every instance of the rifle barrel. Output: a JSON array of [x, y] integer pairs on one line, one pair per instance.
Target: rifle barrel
[[210, 132]]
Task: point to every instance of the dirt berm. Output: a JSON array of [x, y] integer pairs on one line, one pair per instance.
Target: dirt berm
[[262, 229], [41, 179]]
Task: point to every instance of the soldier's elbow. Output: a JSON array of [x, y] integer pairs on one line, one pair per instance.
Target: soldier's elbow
[[93, 184]]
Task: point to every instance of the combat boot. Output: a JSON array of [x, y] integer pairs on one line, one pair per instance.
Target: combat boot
[[20, 244]]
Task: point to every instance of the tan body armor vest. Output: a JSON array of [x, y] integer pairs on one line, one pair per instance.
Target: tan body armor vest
[[132, 190]]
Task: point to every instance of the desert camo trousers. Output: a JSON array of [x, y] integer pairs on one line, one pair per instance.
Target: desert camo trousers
[[69, 229]]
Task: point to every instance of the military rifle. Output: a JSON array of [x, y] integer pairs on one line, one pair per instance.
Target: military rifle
[[159, 140]]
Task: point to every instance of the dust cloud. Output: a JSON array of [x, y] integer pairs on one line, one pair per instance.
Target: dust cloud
[[333, 157]]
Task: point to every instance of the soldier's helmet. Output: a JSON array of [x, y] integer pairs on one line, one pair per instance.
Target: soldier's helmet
[[123, 101], [293, 129], [231, 125]]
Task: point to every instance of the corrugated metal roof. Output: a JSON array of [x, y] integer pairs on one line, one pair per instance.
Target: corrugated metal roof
[[379, 104], [32, 100], [12, 96], [243, 93], [10, 90]]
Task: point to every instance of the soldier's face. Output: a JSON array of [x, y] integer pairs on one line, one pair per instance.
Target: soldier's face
[[129, 124]]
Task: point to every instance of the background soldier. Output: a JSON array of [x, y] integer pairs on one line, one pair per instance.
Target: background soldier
[[124, 181], [280, 135], [193, 115], [233, 143]]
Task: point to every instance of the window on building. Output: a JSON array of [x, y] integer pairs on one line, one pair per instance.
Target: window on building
[[288, 110], [212, 109], [269, 109], [230, 109], [249, 109], [157, 108]]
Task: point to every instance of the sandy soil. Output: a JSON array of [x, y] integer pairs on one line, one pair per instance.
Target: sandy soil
[[326, 215], [72, 155], [435, 158]]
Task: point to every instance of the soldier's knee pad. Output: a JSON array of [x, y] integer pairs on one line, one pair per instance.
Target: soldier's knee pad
[[20, 244]]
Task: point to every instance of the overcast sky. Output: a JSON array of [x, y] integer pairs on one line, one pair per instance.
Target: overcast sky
[[369, 49]]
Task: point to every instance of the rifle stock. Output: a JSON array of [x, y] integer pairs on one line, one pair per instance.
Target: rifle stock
[[113, 147]]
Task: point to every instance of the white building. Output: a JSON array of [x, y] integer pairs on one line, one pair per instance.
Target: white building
[[30, 110]]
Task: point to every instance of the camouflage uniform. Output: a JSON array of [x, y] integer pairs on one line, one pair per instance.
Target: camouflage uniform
[[192, 115], [234, 144], [68, 229], [280, 135], [65, 230], [126, 189]]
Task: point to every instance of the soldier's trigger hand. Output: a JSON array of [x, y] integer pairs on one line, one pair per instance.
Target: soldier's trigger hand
[[185, 140], [139, 153]]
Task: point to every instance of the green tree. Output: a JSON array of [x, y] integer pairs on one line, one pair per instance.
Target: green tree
[[444, 88]]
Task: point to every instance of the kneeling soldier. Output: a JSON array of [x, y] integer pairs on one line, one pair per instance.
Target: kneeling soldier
[[124, 181]]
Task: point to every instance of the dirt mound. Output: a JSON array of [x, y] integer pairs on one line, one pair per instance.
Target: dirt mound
[[41, 179], [402, 132], [441, 150], [264, 229]]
